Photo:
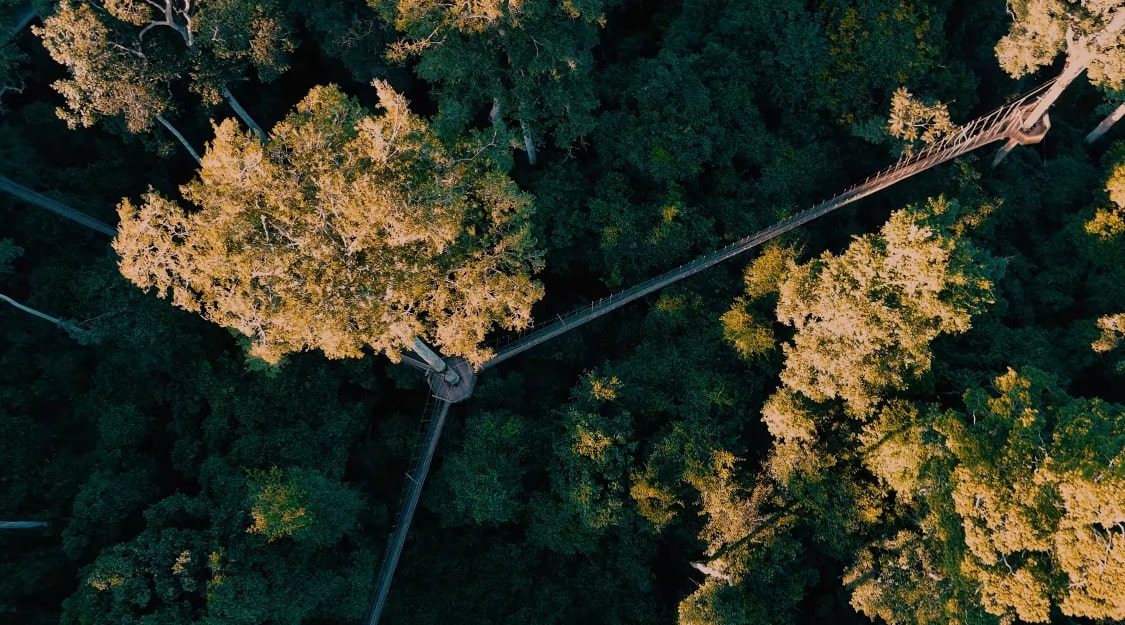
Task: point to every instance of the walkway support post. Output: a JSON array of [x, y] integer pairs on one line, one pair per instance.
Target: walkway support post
[[74, 331]]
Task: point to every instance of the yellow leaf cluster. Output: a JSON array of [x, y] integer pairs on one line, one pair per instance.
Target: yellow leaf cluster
[[277, 509], [347, 230], [864, 320]]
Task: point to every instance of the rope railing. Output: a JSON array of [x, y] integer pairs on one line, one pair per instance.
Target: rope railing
[[986, 129]]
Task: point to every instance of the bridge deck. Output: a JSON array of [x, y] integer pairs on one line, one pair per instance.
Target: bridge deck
[[1002, 123], [436, 412]]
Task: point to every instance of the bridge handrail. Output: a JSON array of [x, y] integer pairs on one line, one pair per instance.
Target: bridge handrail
[[435, 411], [977, 133], [981, 131]]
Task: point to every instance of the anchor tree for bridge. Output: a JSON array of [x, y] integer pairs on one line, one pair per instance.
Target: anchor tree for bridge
[[1088, 33], [347, 230], [1085, 32]]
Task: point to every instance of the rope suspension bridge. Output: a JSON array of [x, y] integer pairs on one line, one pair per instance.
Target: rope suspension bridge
[[1023, 122]]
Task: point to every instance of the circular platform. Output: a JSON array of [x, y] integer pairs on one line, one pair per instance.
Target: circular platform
[[1034, 134], [453, 393]]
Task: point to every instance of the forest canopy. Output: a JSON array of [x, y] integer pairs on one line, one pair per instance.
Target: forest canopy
[[910, 410]]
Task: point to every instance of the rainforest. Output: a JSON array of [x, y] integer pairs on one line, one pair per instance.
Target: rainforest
[[614, 312]]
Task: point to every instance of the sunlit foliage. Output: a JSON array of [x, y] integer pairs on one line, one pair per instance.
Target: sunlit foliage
[[1018, 501], [278, 507], [347, 230], [695, 456], [917, 122], [1044, 28], [124, 57], [864, 320], [746, 325], [1108, 225], [528, 62]]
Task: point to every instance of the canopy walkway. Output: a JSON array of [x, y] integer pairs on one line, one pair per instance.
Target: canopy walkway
[[38, 199], [1022, 121], [1009, 122], [435, 413]]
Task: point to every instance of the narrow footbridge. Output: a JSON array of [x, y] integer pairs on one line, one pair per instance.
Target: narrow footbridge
[[1012, 122], [1008, 122]]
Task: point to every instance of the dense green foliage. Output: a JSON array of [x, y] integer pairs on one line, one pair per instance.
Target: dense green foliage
[[906, 412]]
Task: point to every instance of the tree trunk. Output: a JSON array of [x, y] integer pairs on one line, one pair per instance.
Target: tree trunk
[[172, 129], [760, 526], [1106, 124], [436, 363], [416, 478], [494, 114], [241, 112], [713, 572], [22, 20], [1004, 151], [528, 143], [1075, 65], [74, 331], [1079, 53], [21, 525], [56, 207]]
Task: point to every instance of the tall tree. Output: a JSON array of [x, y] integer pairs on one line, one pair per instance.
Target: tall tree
[[1018, 509], [124, 56], [748, 547], [915, 121], [1089, 33], [1038, 490], [482, 482], [528, 62], [348, 230], [876, 47], [350, 31], [747, 325], [1107, 228], [1085, 31], [864, 320], [15, 15]]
